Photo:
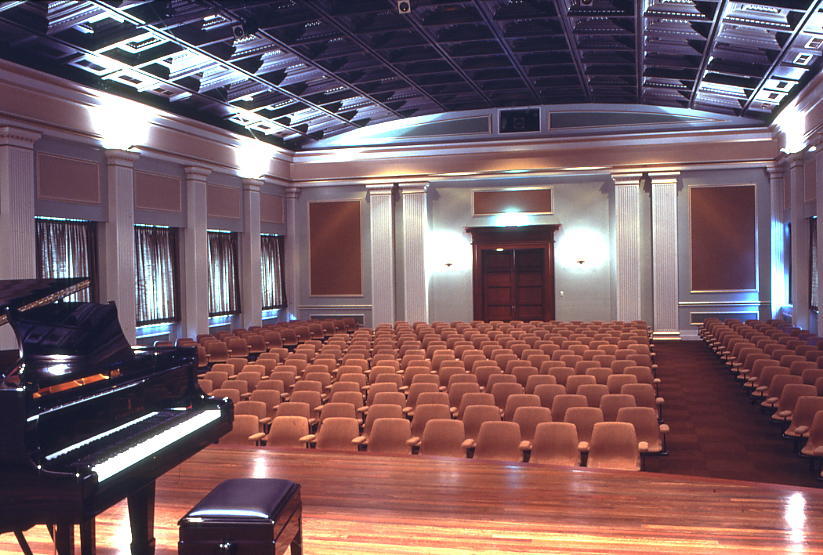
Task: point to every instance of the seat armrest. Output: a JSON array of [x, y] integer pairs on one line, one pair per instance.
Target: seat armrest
[[800, 430], [408, 410], [441, 388], [245, 395], [659, 400], [818, 451], [468, 444], [583, 446], [232, 377], [359, 440], [453, 410], [783, 413], [525, 445], [308, 438], [413, 442], [664, 428], [256, 437], [266, 420], [403, 388], [656, 381], [363, 410], [643, 446]]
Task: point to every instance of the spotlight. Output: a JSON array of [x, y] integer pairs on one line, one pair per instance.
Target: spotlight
[[403, 7], [586, 2], [245, 28]]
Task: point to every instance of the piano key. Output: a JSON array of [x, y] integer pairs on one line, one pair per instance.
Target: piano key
[[144, 449], [80, 444]]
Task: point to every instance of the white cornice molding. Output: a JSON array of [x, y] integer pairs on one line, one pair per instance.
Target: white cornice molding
[[17, 136]]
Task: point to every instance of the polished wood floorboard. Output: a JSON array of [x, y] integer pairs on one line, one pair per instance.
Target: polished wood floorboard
[[360, 503]]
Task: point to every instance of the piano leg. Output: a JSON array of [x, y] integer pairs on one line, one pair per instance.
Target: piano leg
[[87, 541], [24, 545], [141, 518], [64, 538]]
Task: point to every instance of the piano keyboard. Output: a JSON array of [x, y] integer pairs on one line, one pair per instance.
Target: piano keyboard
[[115, 450]]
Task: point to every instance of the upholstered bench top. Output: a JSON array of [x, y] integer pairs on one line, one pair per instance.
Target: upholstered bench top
[[245, 498]]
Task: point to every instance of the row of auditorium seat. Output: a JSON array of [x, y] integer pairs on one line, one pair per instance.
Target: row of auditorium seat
[[319, 378], [780, 368]]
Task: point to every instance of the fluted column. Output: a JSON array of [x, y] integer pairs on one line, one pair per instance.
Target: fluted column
[[250, 275], [415, 227], [17, 195], [779, 275], [196, 255], [800, 243], [627, 236], [118, 283], [292, 260], [664, 254], [817, 141], [381, 217]]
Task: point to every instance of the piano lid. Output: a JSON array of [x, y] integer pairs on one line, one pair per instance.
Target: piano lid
[[25, 294]]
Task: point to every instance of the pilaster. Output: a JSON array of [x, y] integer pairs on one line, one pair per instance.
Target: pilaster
[[18, 249], [415, 227], [664, 254], [118, 283], [777, 232], [292, 262], [800, 243], [381, 217], [627, 248], [817, 142], [195, 270], [250, 273]]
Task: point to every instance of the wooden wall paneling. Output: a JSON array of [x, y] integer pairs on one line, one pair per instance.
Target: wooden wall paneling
[[335, 254], [528, 201], [224, 202], [723, 238], [153, 191], [271, 208], [68, 179]]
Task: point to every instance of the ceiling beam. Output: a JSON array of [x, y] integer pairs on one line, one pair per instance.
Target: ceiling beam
[[124, 13], [813, 8], [707, 51], [488, 18], [422, 31], [562, 8], [331, 20], [639, 39]]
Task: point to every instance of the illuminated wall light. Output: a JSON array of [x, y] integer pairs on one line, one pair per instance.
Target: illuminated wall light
[[121, 123], [581, 249], [511, 218], [792, 123], [253, 158], [448, 251]]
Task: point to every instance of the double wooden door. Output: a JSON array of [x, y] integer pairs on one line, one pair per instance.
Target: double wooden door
[[513, 273], [514, 284]]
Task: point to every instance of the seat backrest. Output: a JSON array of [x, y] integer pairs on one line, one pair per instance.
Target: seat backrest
[[337, 434], [469, 399], [573, 382], [390, 398], [584, 419], [255, 408], [434, 398], [423, 413], [379, 388], [593, 392], [555, 443], [456, 391], [242, 427], [380, 411], [475, 415], [563, 402], [643, 394], [389, 436], [642, 373], [613, 445], [443, 437], [611, 403], [538, 379], [791, 393], [644, 420], [528, 417], [617, 381], [353, 397], [547, 393], [294, 408], [334, 410], [312, 398], [285, 431], [498, 441], [227, 393], [495, 379], [519, 400], [501, 392], [561, 373]]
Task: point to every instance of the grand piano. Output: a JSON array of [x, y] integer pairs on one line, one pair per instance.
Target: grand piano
[[87, 420]]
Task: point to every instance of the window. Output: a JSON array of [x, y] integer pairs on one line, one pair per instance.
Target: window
[[66, 249], [224, 283], [155, 252], [813, 277], [271, 270]]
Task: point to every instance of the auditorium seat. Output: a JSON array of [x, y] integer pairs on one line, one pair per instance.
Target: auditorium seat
[[785, 406], [528, 417], [514, 401], [286, 431], [616, 381], [424, 413], [583, 418], [442, 437], [244, 428], [593, 393], [563, 402], [804, 410], [257, 409], [814, 437], [646, 427], [614, 446], [555, 443], [469, 399], [498, 441], [645, 396], [547, 393], [475, 415], [611, 403], [535, 380], [390, 436]]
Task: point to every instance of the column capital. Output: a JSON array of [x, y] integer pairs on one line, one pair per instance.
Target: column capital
[[775, 172], [795, 160], [380, 189], [292, 192], [663, 177], [17, 136], [627, 178], [816, 140], [413, 187], [252, 185], [196, 173], [118, 157]]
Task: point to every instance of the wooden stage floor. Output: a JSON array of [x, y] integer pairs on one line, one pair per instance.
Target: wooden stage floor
[[360, 503]]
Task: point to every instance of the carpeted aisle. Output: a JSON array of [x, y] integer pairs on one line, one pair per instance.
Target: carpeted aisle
[[715, 430]]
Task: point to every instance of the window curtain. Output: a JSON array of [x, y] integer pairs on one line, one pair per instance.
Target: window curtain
[[67, 249], [272, 271], [224, 282], [814, 292], [156, 269]]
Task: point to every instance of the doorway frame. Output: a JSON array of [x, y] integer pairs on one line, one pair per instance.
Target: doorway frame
[[519, 237]]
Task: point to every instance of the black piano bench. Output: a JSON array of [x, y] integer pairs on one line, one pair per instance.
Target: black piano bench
[[245, 516]]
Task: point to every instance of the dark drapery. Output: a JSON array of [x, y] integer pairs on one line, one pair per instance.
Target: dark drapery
[[224, 282], [156, 268], [814, 294], [272, 271], [67, 249]]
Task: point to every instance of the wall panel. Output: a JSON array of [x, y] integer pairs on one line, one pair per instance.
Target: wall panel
[[723, 239], [271, 208], [223, 202], [529, 201], [335, 248], [154, 191], [67, 179]]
